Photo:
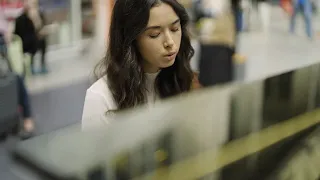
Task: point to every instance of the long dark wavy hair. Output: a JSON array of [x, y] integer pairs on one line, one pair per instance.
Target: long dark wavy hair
[[122, 64]]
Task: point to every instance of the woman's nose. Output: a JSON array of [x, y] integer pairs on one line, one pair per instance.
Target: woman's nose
[[168, 40]]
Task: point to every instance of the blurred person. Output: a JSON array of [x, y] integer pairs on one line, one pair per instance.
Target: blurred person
[[30, 26], [23, 101], [201, 11], [4, 33], [264, 8], [237, 13], [286, 5], [6, 14], [147, 59], [305, 7], [217, 36]]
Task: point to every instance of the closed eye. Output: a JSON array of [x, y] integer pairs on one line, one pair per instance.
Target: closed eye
[[153, 36], [175, 29]]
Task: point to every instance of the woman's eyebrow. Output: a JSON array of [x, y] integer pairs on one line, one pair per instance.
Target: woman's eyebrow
[[159, 27], [175, 22]]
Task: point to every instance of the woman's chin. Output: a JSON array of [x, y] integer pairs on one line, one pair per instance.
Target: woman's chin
[[167, 63]]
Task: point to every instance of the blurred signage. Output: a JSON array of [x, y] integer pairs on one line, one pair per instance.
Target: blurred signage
[[11, 3], [12, 8]]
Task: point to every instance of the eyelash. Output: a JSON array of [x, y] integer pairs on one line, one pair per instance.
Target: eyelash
[[155, 36], [175, 29]]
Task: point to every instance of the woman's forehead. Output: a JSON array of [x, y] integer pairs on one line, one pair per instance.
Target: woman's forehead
[[162, 15]]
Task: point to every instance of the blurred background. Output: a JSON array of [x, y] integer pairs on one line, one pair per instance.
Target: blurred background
[[258, 39]]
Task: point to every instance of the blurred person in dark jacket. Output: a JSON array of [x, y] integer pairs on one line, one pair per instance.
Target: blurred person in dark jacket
[[30, 26]]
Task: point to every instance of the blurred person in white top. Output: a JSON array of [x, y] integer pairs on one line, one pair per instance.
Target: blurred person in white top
[[147, 59]]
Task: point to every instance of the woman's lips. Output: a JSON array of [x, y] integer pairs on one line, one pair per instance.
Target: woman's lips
[[171, 56]]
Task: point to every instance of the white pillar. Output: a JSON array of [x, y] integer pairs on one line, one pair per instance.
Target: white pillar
[[64, 34], [76, 20], [264, 10], [99, 43], [102, 22]]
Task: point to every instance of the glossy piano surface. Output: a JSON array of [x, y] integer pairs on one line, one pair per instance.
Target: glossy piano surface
[[180, 128]]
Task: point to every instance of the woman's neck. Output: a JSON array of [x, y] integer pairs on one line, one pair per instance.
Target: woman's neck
[[148, 68], [151, 70]]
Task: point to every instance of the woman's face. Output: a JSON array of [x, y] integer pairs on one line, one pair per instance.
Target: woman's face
[[160, 42]]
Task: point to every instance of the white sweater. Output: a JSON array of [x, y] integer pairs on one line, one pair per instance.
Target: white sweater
[[99, 100]]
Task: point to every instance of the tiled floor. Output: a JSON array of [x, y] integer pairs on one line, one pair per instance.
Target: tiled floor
[[57, 98], [62, 73]]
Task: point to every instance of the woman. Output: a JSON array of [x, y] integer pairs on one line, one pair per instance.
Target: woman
[[30, 26], [23, 97], [147, 59]]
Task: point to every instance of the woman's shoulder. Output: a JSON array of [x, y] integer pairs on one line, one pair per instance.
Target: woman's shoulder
[[101, 88], [98, 101]]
